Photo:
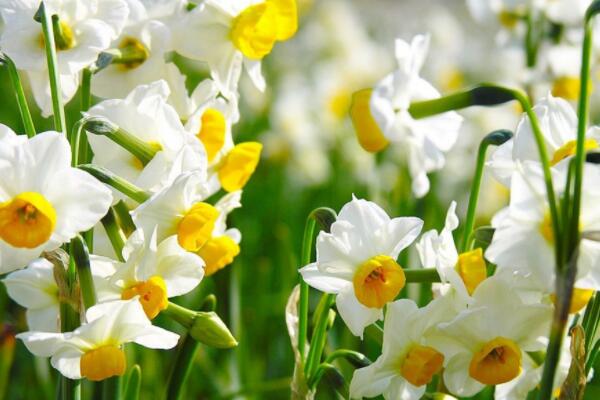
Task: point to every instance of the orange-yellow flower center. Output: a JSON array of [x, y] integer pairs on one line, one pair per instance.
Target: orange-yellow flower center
[[378, 281], [498, 361], [239, 165], [27, 220], [256, 29], [102, 363], [153, 295], [472, 269], [421, 364], [546, 229], [579, 299], [368, 133], [217, 253], [568, 149], [212, 132], [133, 52], [196, 226]]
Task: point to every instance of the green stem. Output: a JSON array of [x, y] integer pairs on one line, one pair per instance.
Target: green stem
[[182, 367], [565, 279], [122, 185], [134, 383], [86, 89], [357, 359], [319, 335], [21, 99], [115, 234], [50, 45], [421, 275], [319, 373], [495, 138], [180, 314], [309, 232], [69, 320], [81, 256]]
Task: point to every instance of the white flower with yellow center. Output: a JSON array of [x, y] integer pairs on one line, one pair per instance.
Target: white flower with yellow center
[[95, 349], [408, 362], [153, 271], [35, 289], [180, 212], [236, 33], [524, 240], [558, 123], [461, 273], [484, 344], [357, 261], [381, 116], [87, 28], [145, 114], [44, 202]]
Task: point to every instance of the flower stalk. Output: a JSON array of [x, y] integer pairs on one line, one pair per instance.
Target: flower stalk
[[20, 94], [495, 138], [120, 184]]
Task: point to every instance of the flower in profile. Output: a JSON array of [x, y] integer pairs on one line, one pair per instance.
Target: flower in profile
[[408, 362], [146, 115], [357, 261], [153, 271], [382, 116], [459, 273], [485, 344], [34, 288], [237, 34], [44, 202], [95, 349], [558, 123], [85, 29]]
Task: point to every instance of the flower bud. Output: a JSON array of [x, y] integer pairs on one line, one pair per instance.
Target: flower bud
[[209, 329]]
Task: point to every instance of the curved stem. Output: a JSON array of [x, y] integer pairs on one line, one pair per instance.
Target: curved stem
[[495, 138], [81, 257]]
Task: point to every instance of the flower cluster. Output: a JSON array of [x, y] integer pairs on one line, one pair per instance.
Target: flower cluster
[[147, 176]]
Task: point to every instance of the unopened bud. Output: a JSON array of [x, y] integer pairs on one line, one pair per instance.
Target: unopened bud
[[209, 329]]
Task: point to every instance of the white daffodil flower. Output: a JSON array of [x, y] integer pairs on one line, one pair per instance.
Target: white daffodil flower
[[236, 33], [179, 212], [87, 28], [484, 345], [459, 274], [94, 350], [558, 123], [357, 261], [524, 239], [145, 114], [423, 141], [44, 202], [154, 272], [408, 362], [35, 289]]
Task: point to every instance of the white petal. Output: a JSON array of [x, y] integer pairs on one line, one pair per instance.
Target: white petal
[[356, 316]]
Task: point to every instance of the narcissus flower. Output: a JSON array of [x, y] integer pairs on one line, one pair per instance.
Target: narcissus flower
[[524, 239], [86, 29], [241, 33], [381, 116], [408, 362], [180, 210], [44, 202], [558, 123], [357, 261], [484, 344], [35, 289], [458, 272], [153, 271], [95, 349], [145, 114]]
